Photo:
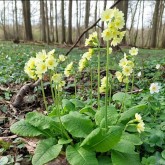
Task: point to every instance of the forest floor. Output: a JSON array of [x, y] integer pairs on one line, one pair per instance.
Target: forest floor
[[14, 149]]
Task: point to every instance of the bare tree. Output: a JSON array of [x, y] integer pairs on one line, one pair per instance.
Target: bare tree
[[56, 21], [155, 24], [70, 23], [42, 17], [27, 19], [87, 14], [16, 21], [63, 37], [47, 23], [51, 21]]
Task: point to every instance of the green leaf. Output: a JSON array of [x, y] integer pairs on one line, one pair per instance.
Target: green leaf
[[104, 160], [79, 156], [120, 96], [133, 138], [125, 147], [102, 141], [163, 154], [88, 111], [68, 105], [64, 141], [78, 104], [42, 122], [77, 124], [119, 158], [46, 151], [111, 114], [127, 115], [23, 128]]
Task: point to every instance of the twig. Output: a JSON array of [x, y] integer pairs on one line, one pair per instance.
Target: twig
[[86, 30]]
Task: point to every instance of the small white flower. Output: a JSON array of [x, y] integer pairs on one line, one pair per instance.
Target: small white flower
[[157, 66], [138, 117], [139, 74], [154, 88], [140, 127]]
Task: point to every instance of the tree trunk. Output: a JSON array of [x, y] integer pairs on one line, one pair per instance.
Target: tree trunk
[[87, 14], [4, 21], [16, 22], [63, 37], [51, 21], [96, 12], [70, 23], [42, 17], [56, 21], [77, 19], [27, 19], [155, 24], [142, 38], [47, 23]]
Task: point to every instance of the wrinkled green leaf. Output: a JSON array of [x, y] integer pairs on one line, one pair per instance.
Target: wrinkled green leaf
[[68, 105], [42, 122], [77, 124], [46, 151], [127, 115], [23, 128], [102, 141], [78, 103], [111, 114], [80, 156], [119, 158], [64, 141], [122, 97]]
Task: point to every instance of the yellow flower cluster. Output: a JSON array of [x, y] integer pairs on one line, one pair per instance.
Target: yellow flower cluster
[[115, 22], [127, 66], [84, 60], [92, 40], [68, 69], [103, 85], [37, 66], [140, 126]]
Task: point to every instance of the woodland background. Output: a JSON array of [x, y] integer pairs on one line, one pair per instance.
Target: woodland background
[[63, 21]]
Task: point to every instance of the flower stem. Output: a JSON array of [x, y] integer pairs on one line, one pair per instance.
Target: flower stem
[[133, 77], [107, 86], [98, 80], [75, 86], [91, 82], [126, 89], [43, 94], [51, 86]]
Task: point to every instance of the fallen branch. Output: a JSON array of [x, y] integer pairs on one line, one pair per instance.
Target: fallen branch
[[24, 89], [86, 30]]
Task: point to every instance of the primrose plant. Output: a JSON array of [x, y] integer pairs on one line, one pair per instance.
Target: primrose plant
[[86, 135]]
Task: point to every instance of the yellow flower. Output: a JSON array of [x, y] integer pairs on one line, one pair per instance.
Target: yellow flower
[[138, 118], [41, 68], [62, 58], [107, 15], [31, 62], [51, 62], [56, 78], [140, 127], [107, 35], [51, 52], [119, 23], [119, 76], [126, 80], [92, 40], [133, 51], [91, 51], [130, 63], [87, 55], [68, 69], [41, 56], [127, 70], [123, 62], [82, 64], [102, 89], [115, 41]]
